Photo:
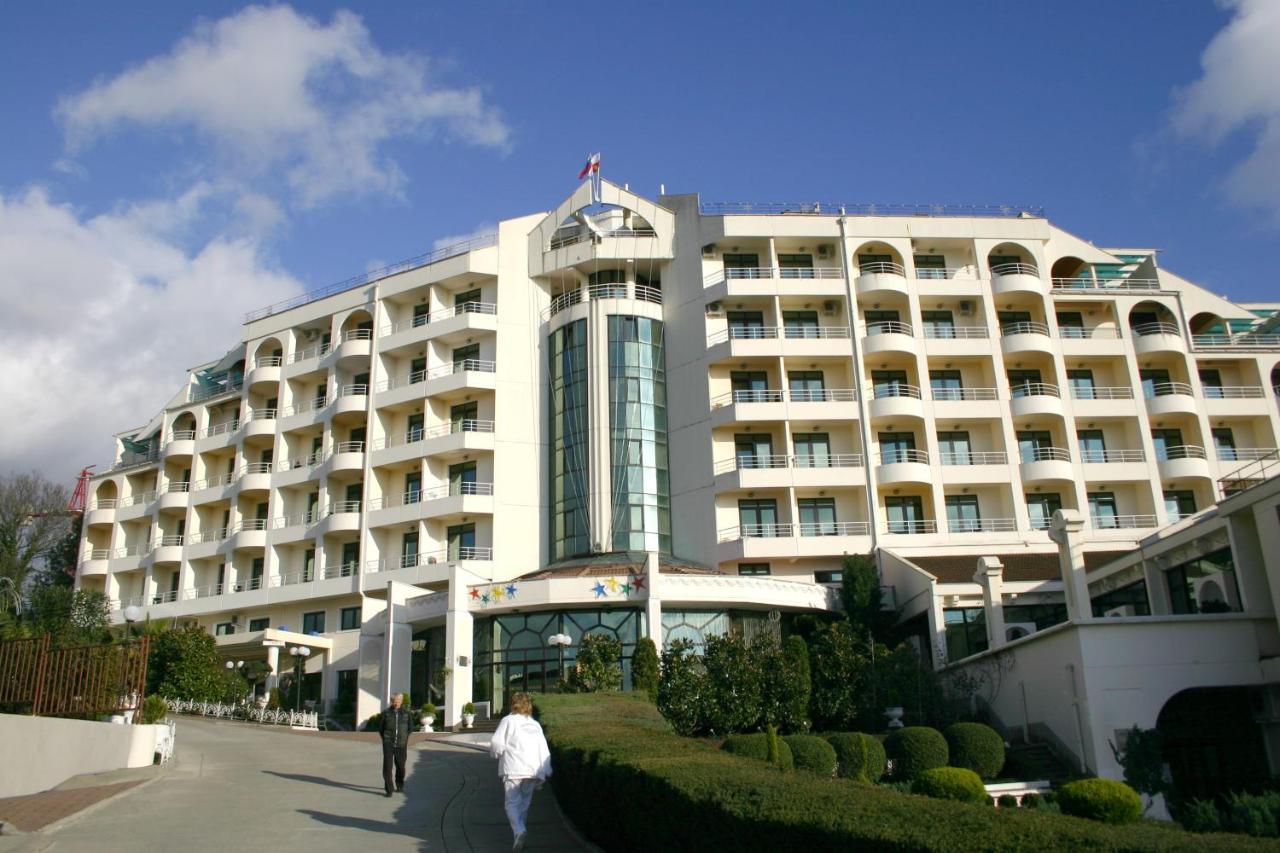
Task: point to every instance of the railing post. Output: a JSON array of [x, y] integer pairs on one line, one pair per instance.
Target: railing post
[[42, 658]]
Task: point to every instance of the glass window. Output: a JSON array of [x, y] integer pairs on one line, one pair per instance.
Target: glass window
[[463, 416], [753, 569], [349, 618], [1102, 510], [409, 549], [1043, 615], [465, 358], [421, 314], [1130, 600], [817, 516], [1022, 382], [1204, 585], [1070, 324], [805, 381], [930, 266], [749, 386], [467, 301], [1033, 443], [260, 624], [1211, 380], [462, 541], [413, 487], [741, 261], [1164, 440], [812, 449], [223, 628], [1179, 504], [1155, 383], [872, 262], [753, 450], [938, 324], [758, 517], [1041, 507], [887, 383], [746, 324], [904, 514], [962, 514], [835, 576], [966, 629], [946, 384], [874, 318], [313, 622], [462, 478], [796, 265], [800, 324], [1081, 384], [896, 447], [1224, 443], [953, 448], [1093, 448], [413, 428], [350, 558]]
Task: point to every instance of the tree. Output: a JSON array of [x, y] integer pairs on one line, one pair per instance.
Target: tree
[[72, 617], [863, 599], [798, 683], [26, 533], [681, 688], [61, 559], [732, 698], [840, 683], [644, 668], [183, 664], [599, 665]]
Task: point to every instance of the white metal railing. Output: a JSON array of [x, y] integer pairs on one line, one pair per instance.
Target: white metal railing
[[293, 578], [139, 498], [339, 507], [934, 331], [821, 395], [1244, 340], [165, 596], [309, 405], [104, 503], [349, 447], [1245, 454], [827, 460], [248, 713], [268, 361], [477, 365], [756, 531], [250, 525], [256, 468], [882, 268], [1121, 522], [176, 487], [436, 316], [564, 300], [1015, 269], [973, 457], [308, 353], [168, 541], [648, 293], [1088, 332], [774, 272], [444, 555], [248, 585], [1121, 455], [607, 290], [964, 393], [354, 389], [911, 527], [889, 327], [282, 521], [95, 554], [357, 335], [1142, 330], [893, 457], [1101, 392], [1166, 389], [214, 535], [833, 528], [742, 462], [944, 272], [210, 591], [1233, 392], [1023, 328], [340, 570], [1181, 451], [748, 395], [260, 415], [1033, 389], [213, 482], [981, 525], [414, 436], [128, 460], [744, 333], [220, 429], [181, 435], [1044, 454], [197, 394], [895, 389], [313, 458], [583, 236], [1142, 284]]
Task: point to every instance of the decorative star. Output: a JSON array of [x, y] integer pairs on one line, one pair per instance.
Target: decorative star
[[475, 593], [626, 589], [638, 583], [599, 590], [612, 583], [496, 592], [485, 598], [511, 590]]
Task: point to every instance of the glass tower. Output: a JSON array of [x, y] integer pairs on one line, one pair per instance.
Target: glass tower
[[570, 452], [641, 492]]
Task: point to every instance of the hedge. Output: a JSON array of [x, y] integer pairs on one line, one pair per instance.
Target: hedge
[[859, 756], [951, 783], [684, 794], [812, 753], [915, 749], [975, 747], [757, 746], [1100, 799]]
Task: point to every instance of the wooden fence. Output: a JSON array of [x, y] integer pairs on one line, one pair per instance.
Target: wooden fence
[[72, 682]]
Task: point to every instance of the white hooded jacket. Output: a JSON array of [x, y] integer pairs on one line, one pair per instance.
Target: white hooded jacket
[[521, 749]]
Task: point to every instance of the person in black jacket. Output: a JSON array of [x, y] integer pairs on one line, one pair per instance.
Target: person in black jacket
[[394, 729]]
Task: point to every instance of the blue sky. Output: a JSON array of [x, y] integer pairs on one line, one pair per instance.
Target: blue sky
[[155, 165]]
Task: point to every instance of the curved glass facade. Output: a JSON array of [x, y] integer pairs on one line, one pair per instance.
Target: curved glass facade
[[570, 453], [638, 435]]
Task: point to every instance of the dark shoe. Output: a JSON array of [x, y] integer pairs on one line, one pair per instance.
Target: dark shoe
[[400, 789], [387, 794]]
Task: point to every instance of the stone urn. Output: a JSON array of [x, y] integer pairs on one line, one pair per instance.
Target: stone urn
[[894, 713]]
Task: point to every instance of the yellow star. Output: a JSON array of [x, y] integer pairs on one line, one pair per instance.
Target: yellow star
[[612, 583], [496, 592]]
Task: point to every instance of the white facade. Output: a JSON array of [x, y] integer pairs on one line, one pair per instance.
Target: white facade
[[928, 385]]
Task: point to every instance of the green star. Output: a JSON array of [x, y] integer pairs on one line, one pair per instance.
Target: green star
[[626, 589]]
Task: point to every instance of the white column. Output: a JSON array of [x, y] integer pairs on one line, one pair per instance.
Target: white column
[[990, 576], [273, 662], [1065, 529], [653, 604], [937, 626], [458, 646]]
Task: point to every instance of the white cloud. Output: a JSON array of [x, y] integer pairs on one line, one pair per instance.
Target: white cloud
[[484, 229], [280, 93], [1236, 92], [104, 314]]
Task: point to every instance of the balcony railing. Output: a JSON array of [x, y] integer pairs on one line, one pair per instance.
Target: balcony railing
[[751, 462], [823, 460], [420, 495], [268, 361], [216, 481], [130, 459], [1014, 269], [1101, 392], [774, 272], [821, 395], [739, 333], [1127, 284], [104, 503], [895, 389], [256, 468], [1121, 522], [935, 331], [1245, 340], [169, 541], [1033, 389], [260, 415], [357, 335], [882, 268], [251, 524], [583, 236], [1166, 389], [354, 389], [209, 591], [893, 457], [436, 316], [974, 457], [944, 272], [1180, 451], [308, 353], [953, 394], [309, 405], [200, 392], [1023, 328], [340, 570], [444, 555], [889, 327], [302, 518], [1044, 454], [1088, 332], [614, 290], [911, 527], [139, 498], [981, 525], [95, 554], [1104, 456], [1143, 330], [834, 528], [451, 428], [349, 447], [827, 460], [828, 208], [476, 365], [1245, 454], [248, 585], [777, 395], [181, 435], [1233, 392], [215, 535], [340, 507], [755, 531], [313, 458], [220, 429]]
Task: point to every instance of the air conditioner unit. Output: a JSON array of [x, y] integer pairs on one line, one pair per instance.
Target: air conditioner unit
[[709, 250], [235, 620], [825, 251], [1018, 630], [829, 308], [966, 307], [714, 309], [1122, 610], [312, 334]]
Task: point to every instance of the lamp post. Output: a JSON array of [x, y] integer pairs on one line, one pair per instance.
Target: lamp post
[[300, 654], [132, 614], [236, 666], [560, 641]]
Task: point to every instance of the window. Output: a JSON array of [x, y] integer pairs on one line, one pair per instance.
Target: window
[[1012, 322], [749, 386], [1081, 384], [313, 622], [255, 573], [466, 301], [746, 324], [1155, 383], [1224, 443], [462, 542], [930, 266], [1033, 444], [261, 624], [1024, 383], [966, 629], [875, 318], [740, 262], [874, 263], [413, 487], [905, 514], [1130, 599], [805, 385], [421, 314], [463, 417], [817, 516], [1093, 447], [355, 491], [1179, 504], [753, 450], [1041, 507], [409, 549], [812, 449], [418, 370], [462, 478], [350, 558], [758, 517], [896, 447], [962, 514], [349, 619], [413, 428], [1102, 510], [796, 265], [753, 569], [224, 628], [1166, 441], [465, 358], [1042, 615], [953, 448], [1204, 585], [800, 324], [938, 324], [946, 384], [888, 383], [1071, 324], [1211, 380], [836, 576]]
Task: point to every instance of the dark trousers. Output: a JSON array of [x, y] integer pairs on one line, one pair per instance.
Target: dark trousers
[[391, 754]]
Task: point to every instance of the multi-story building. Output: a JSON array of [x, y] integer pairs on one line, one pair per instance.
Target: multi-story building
[[665, 418]]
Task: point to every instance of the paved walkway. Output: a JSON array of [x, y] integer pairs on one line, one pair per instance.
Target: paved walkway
[[237, 786]]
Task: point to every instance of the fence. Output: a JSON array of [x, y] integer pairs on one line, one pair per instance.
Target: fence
[[72, 682], [246, 712]]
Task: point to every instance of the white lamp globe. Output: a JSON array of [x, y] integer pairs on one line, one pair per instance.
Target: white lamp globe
[[132, 613]]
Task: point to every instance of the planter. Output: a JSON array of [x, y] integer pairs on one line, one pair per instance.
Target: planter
[[426, 727], [468, 720], [894, 713]]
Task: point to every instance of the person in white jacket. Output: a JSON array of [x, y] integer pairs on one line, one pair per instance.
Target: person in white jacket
[[524, 762]]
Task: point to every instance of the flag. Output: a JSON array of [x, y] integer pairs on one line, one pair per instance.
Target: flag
[[592, 167]]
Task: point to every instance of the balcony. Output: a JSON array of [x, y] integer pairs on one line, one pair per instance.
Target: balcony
[[302, 413], [219, 435], [981, 525], [881, 278], [175, 496], [780, 471], [1236, 400], [766, 404], [889, 336], [93, 562], [1092, 286], [463, 375], [1244, 342], [963, 395], [439, 502], [442, 557], [911, 527], [452, 437], [616, 290], [1151, 338], [1045, 463], [1186, 460], [770, 281], [1120, 464], [940, 339], [1015, 278], [1025, 337], [181, 442], [168, 549], [1122, 522], [749, 341], [903, 467], [1101, 392], [457, 322], [130, 459], [255, 476], [306, 359], [259, 422], [250, 533], [352, 398], [341, 517], [781, 541], [265, 373], [974, 466], [1245, 454], [1091, 341], [1110, 457], [346, 456], [1170, 398], [896, 400], [293, 527], [1029, 399], [353, 348], [212, 488]]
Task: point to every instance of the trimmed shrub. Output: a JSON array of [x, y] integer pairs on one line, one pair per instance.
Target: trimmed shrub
[[599, 665], [1032, 801], [1100, 799], [1007, 801], [915, 749], [1200, 816], [975, 747], [757, 746], [797, 684], [812, 753], [682, 688], [858, 756], [1253, 814], [644, 668], [154, 709], [950, 783]]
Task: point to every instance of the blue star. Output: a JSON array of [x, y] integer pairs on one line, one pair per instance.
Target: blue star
[[511, 590], [599, 590]]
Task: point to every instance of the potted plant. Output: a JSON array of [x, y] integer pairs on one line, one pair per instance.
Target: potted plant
[[468, 714], [428, 717]]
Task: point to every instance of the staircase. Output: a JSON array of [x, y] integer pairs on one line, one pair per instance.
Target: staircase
[[1036, 761]]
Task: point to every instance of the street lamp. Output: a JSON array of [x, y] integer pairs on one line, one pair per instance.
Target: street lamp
[[300, 654], [561, 641], [132, 615]]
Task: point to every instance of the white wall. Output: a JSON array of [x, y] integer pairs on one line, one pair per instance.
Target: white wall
[[41, 752]]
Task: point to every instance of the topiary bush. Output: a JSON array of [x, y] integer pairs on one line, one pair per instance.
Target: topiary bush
[[1253, 814], [915, 749], [858, 756], [599, 665], [950, 783], [757, 746], [154, 709], [812, 753], [1007, 801], [1032, 801], [1200, 816], [975, 747], [644, 669], [1105, 800]]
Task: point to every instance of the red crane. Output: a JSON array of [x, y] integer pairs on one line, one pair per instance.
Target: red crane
[[80, 495]]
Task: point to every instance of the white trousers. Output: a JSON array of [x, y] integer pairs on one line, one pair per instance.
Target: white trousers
[[518, 794]]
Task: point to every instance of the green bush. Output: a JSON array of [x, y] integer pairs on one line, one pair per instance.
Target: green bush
[[950, 783], [1100, 799], [371, 724], [858, 755], [683, 794], [644, 669], [915, 749], [681, 688], [154, 709], [183, 664], [599, 665], [732, 699], [1253, 814], [1200, 816], [1032, 801], [975, 747], [1007, 801], [757, 746], [797, 684], [273, 699], [812, 753]]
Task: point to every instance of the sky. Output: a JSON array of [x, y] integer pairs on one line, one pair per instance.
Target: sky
[[165, 167]]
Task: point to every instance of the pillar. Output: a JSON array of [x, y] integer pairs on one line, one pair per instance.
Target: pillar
[[1066, 530], [937, 627], [459, 649], [990, 576], [653, 602], [273, 662]]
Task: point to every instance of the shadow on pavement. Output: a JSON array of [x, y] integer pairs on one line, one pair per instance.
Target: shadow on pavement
[[385, 827], [320, 780]]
